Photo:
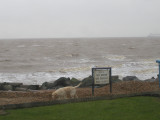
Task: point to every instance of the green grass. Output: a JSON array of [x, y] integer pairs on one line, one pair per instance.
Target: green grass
[[133, 108]]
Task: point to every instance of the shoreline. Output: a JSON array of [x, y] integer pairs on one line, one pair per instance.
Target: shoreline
[[63, 82]]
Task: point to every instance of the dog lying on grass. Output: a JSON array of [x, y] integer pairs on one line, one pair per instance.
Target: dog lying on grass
[[63, 93]]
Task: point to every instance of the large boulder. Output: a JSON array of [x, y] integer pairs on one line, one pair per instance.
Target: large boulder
[[1, 86], [16, 84], [74, 81], [150, 80], [87, 82], [7, 87], [130, 78], [61, 82], [115, 78], [47, 85], [33, 87]]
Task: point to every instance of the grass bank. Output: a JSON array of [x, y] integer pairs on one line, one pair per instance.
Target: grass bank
[[133, 108]]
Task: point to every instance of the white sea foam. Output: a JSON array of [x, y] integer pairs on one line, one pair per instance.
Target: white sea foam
[[86, 60], [39, 77], [143, 70], [115, 57], [81, 68], [28, 78], [36, 45]]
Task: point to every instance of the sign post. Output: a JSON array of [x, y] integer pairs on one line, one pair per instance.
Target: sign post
[[158, 61], [101, 76]]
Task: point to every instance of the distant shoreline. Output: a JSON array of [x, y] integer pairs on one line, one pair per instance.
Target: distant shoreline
[[68, 38]]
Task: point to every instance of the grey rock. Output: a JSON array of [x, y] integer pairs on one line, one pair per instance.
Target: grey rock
[[87, 82], [74, 81], [15, 84], [150, 80], [115, 78], [33, 87], [47, 85], [130, 78], [1, 86], [7, 87], [20, 89], [61, 82]]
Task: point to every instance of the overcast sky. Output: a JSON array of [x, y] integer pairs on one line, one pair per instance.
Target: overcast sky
[[78, 18]]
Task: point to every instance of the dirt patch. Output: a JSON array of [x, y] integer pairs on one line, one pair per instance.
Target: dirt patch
[[2, 112]]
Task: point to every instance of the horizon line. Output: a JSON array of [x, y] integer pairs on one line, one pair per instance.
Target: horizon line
[[70, 37]]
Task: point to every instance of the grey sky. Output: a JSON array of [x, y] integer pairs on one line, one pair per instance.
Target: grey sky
[[78, 18]]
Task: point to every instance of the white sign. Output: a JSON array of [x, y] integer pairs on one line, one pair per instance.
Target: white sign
[[101, 76]]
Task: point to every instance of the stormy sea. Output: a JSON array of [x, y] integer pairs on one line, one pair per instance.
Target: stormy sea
[[34, 61]]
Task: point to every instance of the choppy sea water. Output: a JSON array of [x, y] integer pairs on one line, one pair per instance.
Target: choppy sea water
[[36, 61]]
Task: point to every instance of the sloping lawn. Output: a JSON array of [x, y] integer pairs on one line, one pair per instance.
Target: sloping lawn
[[133, 108]]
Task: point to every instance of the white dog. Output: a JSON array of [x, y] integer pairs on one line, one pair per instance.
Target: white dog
[[62, 93]]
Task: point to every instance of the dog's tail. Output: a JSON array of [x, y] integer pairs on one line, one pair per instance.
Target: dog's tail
[[78, 85]]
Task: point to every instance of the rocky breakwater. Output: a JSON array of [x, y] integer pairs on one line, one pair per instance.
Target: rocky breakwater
[[6, 86], [63, 82]]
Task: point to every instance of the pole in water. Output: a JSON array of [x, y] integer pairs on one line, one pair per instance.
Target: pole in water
[[158, 61]]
